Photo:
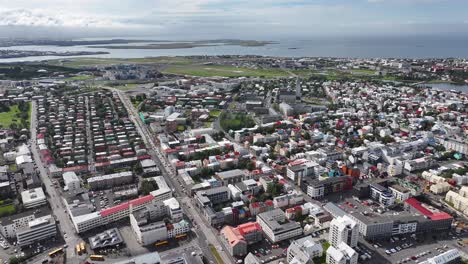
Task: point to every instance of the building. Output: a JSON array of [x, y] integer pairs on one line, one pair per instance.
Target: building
[[33, 198], [237, 239], [213, 196], [37, 230], [451, 256], [318, 189], [71, 181], [288, 200], [110, 180], [148, 258], [342, 254], [343, 229], [303, 250], [10, 224], [234, 241], [300, 169], [276, 227], [400, 193], [108, 238], [381, 194], [230, 177], [88, 220]]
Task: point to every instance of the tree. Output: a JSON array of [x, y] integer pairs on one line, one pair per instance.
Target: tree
[[148, 186]]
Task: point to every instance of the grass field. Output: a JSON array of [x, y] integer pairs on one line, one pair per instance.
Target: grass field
[[363, 71], [216, 255], [79, 78], [86, 62], [8, 118], [215, 113], [223, 71]]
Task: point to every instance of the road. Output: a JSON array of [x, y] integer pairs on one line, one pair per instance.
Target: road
[[204, 232], [55, 200]]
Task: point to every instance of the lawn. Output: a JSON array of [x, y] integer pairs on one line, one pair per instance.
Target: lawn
[[8, 118], [215, 113], [127, 86], [8, 209], [323, 258], [79, 78], [223, 71], [216, 255]]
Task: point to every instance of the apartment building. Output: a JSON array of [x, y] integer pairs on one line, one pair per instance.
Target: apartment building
[[343, 229]]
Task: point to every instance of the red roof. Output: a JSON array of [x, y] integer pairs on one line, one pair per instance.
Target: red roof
[[248, 228], [125, 206], [423, 210]]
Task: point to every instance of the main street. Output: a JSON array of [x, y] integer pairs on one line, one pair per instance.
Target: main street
[[204, 232], [54, 198]]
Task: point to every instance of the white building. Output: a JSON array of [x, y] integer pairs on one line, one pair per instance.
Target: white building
[[92, 220], [37, 230], [451, 256], [33, 198], [276, 227], [343, 254], [71, 181], [303, 250], [343, 229]]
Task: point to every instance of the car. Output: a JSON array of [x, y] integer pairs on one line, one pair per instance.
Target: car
[[388, 252], [398, 248], [414, 258], [376, 246], [393, 250]]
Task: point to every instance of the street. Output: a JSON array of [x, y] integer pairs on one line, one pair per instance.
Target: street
[[55, 200], [205, 233]]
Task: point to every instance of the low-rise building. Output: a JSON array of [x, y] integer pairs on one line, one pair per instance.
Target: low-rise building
[[33, 198], [37, 230], [71, 181], [276, 227], [342, 254], [303, 250]]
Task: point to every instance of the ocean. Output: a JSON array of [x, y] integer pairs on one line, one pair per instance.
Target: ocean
[[350, 47]]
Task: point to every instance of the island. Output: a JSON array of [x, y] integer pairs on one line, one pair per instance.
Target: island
[[9, 54]]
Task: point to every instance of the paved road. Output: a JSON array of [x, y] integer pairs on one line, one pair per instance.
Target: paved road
[[54, 198], [204, 232]]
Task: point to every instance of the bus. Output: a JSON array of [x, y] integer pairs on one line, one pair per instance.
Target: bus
[[97, 257], [161, 243], [181, 236], [83, 247], [55, 252], [78, 249]]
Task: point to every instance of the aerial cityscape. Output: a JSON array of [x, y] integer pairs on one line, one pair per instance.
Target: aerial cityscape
[[123, 144]]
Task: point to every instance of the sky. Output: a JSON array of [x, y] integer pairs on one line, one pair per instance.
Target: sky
[[253, 19]]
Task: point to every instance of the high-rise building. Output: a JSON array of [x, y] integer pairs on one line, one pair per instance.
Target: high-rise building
[[343, 229]]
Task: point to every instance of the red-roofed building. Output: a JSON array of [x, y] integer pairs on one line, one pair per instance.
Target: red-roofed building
[[436, 220], [237, 239]]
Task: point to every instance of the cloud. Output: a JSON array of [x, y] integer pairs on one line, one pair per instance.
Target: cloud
[[37, 18]]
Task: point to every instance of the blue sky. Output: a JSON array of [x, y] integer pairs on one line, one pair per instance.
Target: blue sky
[[239, 18]]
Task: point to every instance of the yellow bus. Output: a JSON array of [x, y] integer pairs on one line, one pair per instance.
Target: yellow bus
[[97, 257], [83, 247], [161, 243], [78, 249], [181, 236], [55, 252]]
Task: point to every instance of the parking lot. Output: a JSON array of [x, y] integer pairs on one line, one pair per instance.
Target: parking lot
[[267, 252], [411, 249]]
